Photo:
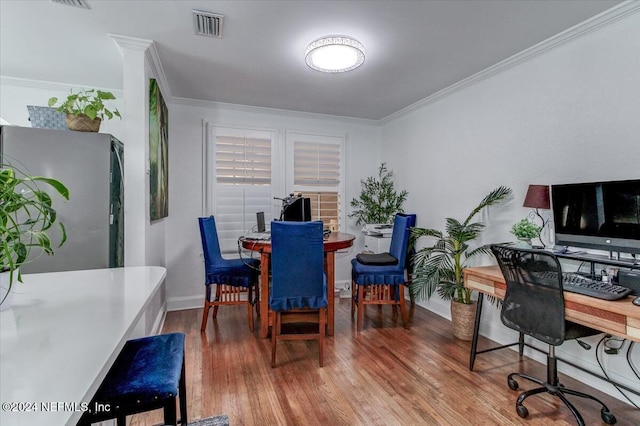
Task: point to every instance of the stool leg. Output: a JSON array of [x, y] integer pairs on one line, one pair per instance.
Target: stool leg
[[170, 415], [182, 389]]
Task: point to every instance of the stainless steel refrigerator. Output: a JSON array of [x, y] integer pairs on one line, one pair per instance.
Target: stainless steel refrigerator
[[91, 166]]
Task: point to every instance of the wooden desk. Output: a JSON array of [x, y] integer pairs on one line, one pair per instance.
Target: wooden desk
[[63, 333], [619, 318], [336, 241]]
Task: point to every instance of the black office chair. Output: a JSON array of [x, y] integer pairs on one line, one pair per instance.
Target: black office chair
[[534, 305]]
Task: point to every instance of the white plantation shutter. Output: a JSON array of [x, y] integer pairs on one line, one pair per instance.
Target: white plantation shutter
[[242, 182], [316, 164], [317, 175], [241, 160]]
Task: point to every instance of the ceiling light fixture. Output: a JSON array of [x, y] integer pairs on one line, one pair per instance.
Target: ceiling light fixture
[[334, 54]]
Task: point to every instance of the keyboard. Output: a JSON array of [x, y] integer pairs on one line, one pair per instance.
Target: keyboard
[[576, 283], [258, 236]]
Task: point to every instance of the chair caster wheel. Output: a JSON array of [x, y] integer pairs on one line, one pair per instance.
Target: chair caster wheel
[[608, 417], [513, 385], [522, 411]]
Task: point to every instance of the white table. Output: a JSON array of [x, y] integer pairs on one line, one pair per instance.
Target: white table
[[61, 336]]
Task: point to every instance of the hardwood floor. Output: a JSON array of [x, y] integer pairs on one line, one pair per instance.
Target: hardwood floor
[[387, 376]]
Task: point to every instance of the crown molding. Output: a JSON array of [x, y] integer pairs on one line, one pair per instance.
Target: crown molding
[[272, 111], [597, 22], [130, 43], [151, 55], [153, 59], [51, 85]]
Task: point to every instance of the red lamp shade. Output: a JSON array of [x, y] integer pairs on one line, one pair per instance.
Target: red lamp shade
[[537, 197]]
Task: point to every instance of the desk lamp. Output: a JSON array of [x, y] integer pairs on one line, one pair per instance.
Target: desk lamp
[[538, 198]]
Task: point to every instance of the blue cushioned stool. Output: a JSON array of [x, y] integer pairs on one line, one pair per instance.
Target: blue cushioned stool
[[148, 374]]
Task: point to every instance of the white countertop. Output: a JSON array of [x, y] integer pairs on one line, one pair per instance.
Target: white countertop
[[61, 336]]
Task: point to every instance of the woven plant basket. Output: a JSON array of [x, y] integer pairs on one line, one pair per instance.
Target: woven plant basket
[[82, 123], [463, 317]]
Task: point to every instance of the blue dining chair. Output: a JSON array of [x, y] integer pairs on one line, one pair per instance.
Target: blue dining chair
[[408, 264], [299, 285], [379, 279], [234, 278]]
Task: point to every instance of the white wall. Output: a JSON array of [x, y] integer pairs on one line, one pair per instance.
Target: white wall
[[571, 114], [185, 279]]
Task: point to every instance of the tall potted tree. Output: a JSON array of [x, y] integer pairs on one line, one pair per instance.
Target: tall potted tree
[[379, 201], [27, 218], [438, 268]]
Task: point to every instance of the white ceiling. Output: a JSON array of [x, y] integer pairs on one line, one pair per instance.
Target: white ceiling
[[414, 48]]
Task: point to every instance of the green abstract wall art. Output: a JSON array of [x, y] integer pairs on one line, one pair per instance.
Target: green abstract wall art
[[158, 153]]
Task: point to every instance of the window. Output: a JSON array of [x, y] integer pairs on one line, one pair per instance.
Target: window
[[317, 170], [242, 164]]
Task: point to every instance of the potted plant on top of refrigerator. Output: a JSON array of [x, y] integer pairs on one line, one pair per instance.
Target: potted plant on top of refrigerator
[[27, 219], [86, 109]]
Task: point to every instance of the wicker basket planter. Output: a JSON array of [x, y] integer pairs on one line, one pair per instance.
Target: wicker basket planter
[[463, 317], [82, 123]]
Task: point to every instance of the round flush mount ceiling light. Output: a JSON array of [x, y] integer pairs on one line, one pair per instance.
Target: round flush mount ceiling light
[[334, 54]]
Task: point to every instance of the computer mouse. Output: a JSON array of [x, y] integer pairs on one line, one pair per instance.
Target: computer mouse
[[636, 301]]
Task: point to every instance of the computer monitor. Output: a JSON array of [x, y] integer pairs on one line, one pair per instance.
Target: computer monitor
[[299, 210], [260, 221]]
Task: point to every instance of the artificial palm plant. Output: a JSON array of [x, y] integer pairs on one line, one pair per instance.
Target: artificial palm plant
[[438, 268], [26, 218]]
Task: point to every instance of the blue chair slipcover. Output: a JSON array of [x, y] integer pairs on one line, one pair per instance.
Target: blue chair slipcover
[[299, 284], [382, 284], [233, 277]]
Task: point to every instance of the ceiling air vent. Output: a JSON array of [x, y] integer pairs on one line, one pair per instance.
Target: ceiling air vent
[[76, 3], [207, 24]]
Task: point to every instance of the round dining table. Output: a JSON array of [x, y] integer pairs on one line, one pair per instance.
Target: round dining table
[[336, 241]]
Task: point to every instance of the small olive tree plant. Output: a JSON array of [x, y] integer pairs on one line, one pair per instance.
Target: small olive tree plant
[[379, 201]]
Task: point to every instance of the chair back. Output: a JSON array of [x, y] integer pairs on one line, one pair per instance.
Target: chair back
[[400, 239], [412, 223], [210, 244], [297, 264], [534, 300]]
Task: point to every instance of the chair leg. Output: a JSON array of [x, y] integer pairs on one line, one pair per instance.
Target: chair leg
[[275, 331], [360, 308], [250, 307], [257, 298], [403, 309], [207, 305], [218, 294], [322, 313], [353, 297]]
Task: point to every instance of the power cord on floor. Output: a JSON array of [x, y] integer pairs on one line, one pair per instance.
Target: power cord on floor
[[633, 367], [601, 342]]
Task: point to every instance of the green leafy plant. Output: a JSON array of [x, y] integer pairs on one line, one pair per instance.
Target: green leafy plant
[[526, 229], [87, 102], [27, 217], [439, 267], [379, 201]]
